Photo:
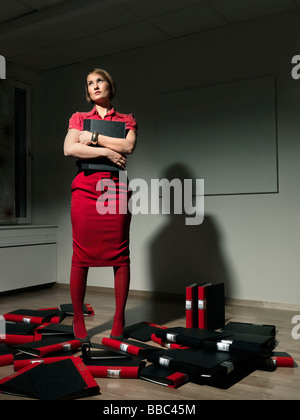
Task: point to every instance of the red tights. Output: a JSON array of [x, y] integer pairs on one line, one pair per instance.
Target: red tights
[[78, 282]]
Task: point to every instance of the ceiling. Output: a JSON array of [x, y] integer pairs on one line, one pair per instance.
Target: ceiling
[[46, 34]]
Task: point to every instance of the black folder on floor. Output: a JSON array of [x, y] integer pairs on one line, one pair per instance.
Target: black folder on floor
[[141, 331], [242, 343], [244, 327], [50, 330], [101, 352], [66, 379], [18, 328], [198, 363], [190, 337], [22, 360], [163, 376]]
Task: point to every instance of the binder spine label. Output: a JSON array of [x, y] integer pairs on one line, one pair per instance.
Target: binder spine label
[[114, 374], [202, 304], [224, 345], [67, 347], [229, 366], [188, 305], [124, 347], [26, 320], [164, 361], [171, 337]]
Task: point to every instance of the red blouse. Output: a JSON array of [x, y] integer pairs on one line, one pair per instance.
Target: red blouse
[[76, 120]]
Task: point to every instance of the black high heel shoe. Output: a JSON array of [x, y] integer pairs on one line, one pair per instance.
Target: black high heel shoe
[[118, 337], [84, 341]]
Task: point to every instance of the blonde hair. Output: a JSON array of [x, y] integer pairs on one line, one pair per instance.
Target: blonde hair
[[106, 76]]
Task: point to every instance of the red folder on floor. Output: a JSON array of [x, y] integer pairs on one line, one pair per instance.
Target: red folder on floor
[[17, 333], [115, 368], [273, 361], [29, 316], [48, 346], [6, 355], [282, 359], [129, 346]]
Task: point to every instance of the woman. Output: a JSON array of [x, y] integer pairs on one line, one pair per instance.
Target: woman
[[99, 240]]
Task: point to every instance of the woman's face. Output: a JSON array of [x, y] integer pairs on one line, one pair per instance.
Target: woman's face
[[98, 88]]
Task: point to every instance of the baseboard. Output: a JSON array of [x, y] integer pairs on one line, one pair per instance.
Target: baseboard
[[180, 297], [28, 289], [263, 304]]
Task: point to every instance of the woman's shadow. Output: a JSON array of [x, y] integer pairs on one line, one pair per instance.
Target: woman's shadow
[[180, 254], [183, 254]]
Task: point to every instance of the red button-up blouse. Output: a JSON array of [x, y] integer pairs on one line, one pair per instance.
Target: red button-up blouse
[[76, 120]]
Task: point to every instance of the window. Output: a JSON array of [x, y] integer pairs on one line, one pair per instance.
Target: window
[[15, 161]]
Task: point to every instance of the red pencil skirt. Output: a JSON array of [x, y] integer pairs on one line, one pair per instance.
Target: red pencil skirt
[[100, 219]]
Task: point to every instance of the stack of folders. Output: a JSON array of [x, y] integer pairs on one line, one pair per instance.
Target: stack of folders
[[211, 357], [205, 306]]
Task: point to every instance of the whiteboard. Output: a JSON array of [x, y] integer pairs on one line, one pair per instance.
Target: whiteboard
[[225, 134]]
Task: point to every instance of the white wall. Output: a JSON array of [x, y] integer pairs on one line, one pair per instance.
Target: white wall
[[251, 242]]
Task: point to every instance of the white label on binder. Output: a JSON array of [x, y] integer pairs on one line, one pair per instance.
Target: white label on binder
[[188, 305], [201, 304], [124, 347], [228, 365], [221, 346], [164, 361], [171, 337], [67, 347], [26, 320], [113, 373]]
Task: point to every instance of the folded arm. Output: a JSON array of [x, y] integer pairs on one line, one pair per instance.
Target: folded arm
[[76, 146], [124, 146]]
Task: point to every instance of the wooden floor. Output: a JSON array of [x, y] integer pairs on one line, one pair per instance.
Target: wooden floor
[[282, 384]]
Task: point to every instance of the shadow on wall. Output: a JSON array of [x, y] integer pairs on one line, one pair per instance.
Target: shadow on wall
[[182, 254], [179, 255]]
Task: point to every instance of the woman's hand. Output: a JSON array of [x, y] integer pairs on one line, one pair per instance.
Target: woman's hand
[[85, 137], [117, 158]]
